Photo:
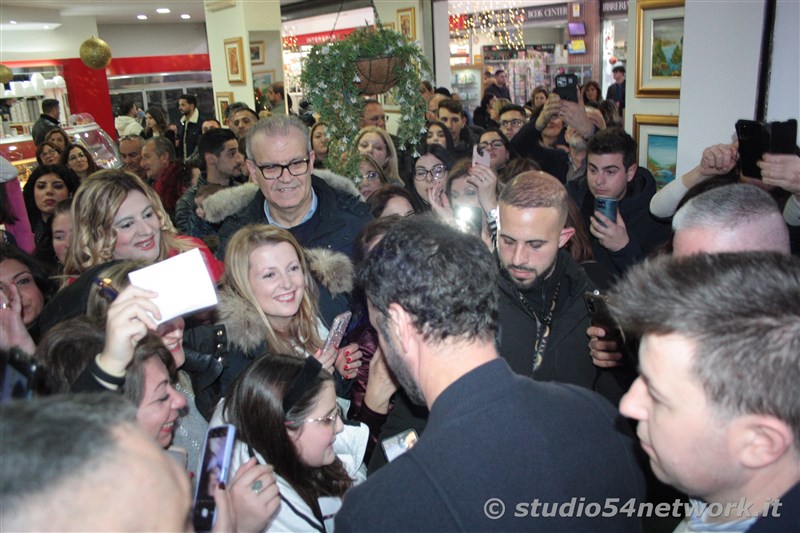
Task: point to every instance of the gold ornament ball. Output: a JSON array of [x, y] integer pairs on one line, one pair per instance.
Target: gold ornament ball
[[5, 74], [95, 53]]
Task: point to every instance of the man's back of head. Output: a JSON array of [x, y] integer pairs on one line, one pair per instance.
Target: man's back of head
[[445, 278], [79, 462], [732, 218], [51, 106]]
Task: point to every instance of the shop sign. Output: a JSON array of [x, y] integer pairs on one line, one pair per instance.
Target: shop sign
[[614, 7], [546, 13], [310, 39]]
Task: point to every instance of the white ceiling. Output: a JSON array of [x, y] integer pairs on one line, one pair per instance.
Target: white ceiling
[[117, 11]]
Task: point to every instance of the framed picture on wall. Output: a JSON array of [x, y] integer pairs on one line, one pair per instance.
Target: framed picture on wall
[[257, 52], [407, 22], [223, 101], [657, 141], [234, 60], [659, 48]]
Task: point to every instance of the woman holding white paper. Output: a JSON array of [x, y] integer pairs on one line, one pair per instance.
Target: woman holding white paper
[[117, 216], [268, 301]]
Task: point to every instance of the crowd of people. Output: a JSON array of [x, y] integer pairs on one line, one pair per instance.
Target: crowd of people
[[474, 388]]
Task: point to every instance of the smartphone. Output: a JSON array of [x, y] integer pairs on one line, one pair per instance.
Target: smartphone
[[337, 331], [757, 138], [480, 156], [600, 315], [608, 207], [567, 87], [214, 468], [20, 375], [469, 219], [397, 445]]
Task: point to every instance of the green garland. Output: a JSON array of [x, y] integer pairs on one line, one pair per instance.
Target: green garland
[[329, 76]]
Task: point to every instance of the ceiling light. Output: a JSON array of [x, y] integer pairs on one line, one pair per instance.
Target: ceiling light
[[141, 17], [186, 16], [162, 10], [46, 27], [12, 21]]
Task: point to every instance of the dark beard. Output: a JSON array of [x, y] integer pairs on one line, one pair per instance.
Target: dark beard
[[398, 366], [528, 284]]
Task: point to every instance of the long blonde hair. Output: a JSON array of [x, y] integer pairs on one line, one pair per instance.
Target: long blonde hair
[[391, 168], [302, 329], [94, 208]]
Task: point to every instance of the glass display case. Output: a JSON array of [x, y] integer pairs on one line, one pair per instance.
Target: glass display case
[[21, 151]]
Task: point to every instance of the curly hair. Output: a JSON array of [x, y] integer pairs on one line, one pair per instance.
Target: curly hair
[[94, 208], [303, 327]]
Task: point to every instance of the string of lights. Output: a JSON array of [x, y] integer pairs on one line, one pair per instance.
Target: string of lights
[[489, 18]]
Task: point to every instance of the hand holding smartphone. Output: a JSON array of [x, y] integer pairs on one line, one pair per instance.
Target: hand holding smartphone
[[567, 87], [214, 468], [758, 138]]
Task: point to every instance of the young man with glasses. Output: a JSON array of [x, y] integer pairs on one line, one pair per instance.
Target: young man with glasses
[[512, 118]]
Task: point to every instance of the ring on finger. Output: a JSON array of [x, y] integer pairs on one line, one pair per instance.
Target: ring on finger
[[257, 486], [4, 305]]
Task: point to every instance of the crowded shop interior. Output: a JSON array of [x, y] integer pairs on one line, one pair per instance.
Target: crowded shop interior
[[399, 265]]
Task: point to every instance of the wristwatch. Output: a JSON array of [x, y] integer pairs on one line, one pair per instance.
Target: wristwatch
[[493, 214]]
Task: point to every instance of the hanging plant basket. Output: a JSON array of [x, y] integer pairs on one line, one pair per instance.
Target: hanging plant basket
[[377, 75], [370, 61]]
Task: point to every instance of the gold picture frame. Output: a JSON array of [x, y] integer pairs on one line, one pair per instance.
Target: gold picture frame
[[407, 22], [234, 60], [657, 145], [658, 67], [223, 100], [257, 51]]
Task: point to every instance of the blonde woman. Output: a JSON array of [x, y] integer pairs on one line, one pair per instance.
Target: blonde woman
[[268, 303], [115, 215], [376, 143]]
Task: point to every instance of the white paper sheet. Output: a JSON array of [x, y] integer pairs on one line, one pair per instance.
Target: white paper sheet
[[182, 282]]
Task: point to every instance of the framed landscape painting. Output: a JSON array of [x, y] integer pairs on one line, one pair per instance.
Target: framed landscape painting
[[657, 140], [659, 48]]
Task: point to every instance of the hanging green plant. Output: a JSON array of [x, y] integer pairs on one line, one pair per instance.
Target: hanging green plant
[[336, 76]]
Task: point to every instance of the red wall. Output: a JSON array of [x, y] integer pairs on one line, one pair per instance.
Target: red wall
[[88, 89]]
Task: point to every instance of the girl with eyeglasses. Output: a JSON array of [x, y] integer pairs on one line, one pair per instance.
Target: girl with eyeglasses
[[78, 159], [48, 153], [429, 175], [286, 415], [496, 144], [371, 176]]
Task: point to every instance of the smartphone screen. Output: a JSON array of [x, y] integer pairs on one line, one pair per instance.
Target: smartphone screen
[[567, 87], [214, 467], [397, 445], [19, 376], [338, 330], [469, 219], [753, 142]]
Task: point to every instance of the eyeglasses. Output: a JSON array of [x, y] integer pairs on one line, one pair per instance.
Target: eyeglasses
[[517, 123], [49, 152], [494, 145], [79, 155], [369, 176], [437, 173], [273, 171], [329, 420], [377, 118]]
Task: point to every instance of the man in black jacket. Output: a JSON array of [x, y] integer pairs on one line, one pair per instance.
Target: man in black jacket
[[612, 173], [48, 120], [190, 125], [543, 317]]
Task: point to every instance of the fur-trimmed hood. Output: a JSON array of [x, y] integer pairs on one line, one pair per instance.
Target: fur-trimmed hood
[[233, 200], [331, 269]]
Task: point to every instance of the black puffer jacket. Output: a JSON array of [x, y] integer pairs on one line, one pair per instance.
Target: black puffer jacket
[[646, 232], [566, 357]]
